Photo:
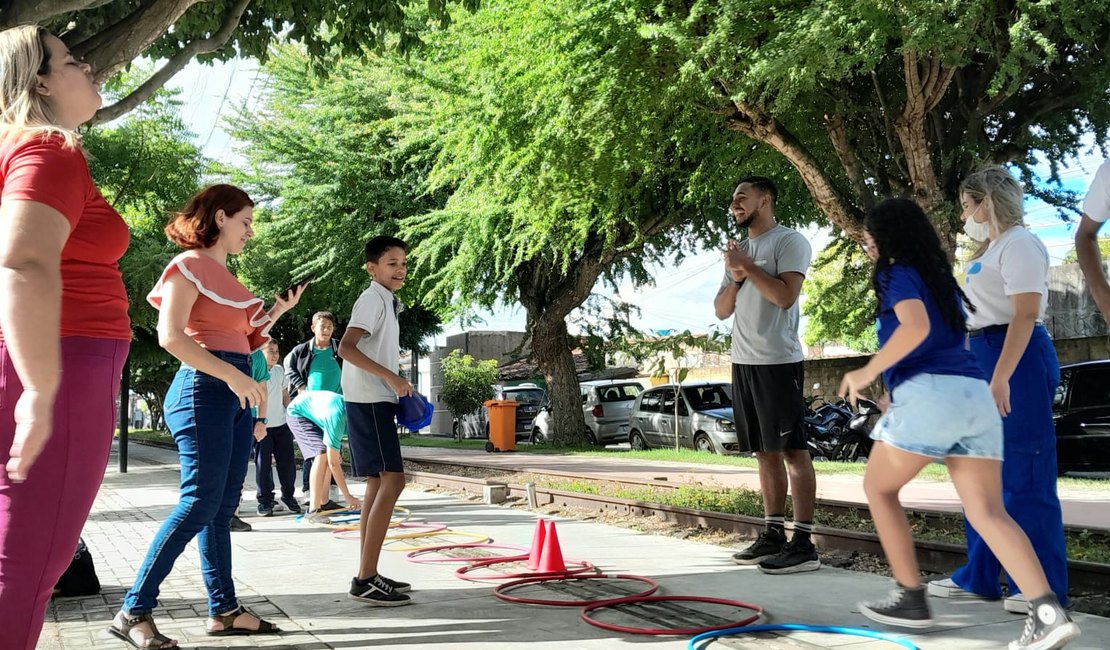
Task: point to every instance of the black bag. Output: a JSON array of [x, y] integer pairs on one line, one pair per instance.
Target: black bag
[[80, 578]]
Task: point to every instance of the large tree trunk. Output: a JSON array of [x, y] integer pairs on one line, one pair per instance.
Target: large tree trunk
[[549, 296], [551, 350]]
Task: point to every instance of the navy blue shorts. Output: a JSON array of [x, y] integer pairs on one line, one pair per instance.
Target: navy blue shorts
[[372, 434]]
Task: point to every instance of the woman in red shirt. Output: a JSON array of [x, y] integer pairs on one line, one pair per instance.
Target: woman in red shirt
[[64, 330], [212, 323]]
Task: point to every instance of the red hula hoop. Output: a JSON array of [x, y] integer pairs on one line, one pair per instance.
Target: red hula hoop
[[500, 590], [584, 567], [585, 615]]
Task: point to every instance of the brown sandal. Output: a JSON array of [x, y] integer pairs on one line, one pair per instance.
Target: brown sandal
[[227, 621], [123, 623]]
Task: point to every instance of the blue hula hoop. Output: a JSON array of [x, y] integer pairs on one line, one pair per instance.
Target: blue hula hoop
[[797, 627]]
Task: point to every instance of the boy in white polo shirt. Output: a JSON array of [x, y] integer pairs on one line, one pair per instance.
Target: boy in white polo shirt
[[371, 351], [1096, 210]]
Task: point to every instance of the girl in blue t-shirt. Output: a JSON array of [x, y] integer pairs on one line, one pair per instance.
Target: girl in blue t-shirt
[[939, 406]]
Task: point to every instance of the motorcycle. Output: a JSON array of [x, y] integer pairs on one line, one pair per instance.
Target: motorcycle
[[825, 427], [855, 441]]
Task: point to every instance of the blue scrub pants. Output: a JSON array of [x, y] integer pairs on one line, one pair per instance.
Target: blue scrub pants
[[1028, 468]]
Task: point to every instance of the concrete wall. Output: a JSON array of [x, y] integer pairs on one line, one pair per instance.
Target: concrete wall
[[1071, 310], [482, 345]]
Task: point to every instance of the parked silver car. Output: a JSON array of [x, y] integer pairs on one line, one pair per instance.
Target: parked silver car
[[606, 405], [705, 418]]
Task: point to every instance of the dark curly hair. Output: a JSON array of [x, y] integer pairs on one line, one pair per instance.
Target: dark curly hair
[[903, 234]]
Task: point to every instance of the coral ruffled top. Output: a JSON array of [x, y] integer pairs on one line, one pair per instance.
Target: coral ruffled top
[[226, 315]]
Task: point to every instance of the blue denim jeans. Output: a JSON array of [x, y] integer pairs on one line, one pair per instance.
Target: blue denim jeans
[[213, 437]]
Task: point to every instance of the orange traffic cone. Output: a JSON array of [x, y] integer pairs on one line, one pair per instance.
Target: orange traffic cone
[[551, 560], [537, 545]]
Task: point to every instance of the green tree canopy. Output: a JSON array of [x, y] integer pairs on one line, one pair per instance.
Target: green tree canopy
[[109, 34], [325, 161], [146, 167], [839, 303], [574, 150], [872, 99]]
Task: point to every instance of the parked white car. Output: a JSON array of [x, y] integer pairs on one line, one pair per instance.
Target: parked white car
[[605, 406]]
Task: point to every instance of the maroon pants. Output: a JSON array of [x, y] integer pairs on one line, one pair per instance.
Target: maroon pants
[[41, 518]]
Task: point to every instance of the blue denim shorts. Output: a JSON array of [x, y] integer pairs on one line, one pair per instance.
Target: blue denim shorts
[[942, 415]]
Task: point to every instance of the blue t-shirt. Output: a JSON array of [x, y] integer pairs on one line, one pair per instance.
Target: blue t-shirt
[[943, 352]]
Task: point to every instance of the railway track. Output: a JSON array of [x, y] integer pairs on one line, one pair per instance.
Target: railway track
[[933, 556]]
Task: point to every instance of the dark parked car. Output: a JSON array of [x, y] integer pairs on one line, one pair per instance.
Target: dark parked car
[[1082, 414]]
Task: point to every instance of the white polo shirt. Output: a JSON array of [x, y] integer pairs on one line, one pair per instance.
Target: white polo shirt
[[1096, 204], [375, 312], [275, 407]]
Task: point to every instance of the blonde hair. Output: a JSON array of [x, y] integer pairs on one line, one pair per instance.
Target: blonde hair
[[1000, 194], [24, 113]]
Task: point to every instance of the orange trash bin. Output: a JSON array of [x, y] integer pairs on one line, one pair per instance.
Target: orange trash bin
[[502, 425]]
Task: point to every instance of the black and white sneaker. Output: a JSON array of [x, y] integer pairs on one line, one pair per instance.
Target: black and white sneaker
[[292, 505], [797, 556], [377, 592], [902, 608], [398, 586], [768, 544], [1047, 626]]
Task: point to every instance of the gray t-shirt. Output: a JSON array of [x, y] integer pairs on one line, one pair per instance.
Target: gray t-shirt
[[764, 334]]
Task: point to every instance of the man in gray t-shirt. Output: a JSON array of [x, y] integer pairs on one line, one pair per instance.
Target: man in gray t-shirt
[[763, 278]]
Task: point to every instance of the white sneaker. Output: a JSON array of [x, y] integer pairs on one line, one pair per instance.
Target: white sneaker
[[947, 589], [1016, 604]]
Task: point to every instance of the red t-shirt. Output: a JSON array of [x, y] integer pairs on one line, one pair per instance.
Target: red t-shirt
[[94, 300]]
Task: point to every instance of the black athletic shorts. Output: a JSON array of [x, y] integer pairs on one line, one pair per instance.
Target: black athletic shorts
[[769, 406], [372, 434]]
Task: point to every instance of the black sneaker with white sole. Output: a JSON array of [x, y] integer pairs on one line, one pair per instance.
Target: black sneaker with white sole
[[377, 592], [1047, 626], [398, 586], [798, 556], [766, 545], [902, 608]]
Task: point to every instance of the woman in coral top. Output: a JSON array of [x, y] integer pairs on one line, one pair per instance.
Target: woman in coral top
[[212, 323], [64, 331]]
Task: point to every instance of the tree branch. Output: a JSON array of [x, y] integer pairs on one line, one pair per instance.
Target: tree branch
[[174, 65], [838, 134], [118, 45], [766, 129], [24, 12]]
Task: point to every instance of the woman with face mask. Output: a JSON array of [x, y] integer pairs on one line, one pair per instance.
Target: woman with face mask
[[1007, 281]]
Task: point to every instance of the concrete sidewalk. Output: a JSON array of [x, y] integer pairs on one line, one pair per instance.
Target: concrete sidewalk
[[297, 575], [1086, 508]]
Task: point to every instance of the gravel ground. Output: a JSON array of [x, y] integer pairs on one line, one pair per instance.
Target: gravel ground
[[1089, 603]]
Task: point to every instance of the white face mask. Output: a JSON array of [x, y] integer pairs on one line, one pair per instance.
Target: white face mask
[[974, 229]]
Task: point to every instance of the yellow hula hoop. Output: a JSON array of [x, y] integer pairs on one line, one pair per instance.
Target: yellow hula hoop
[[480, 538], [431, 529]]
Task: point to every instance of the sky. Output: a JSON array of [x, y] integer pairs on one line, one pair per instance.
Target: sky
[[682, 297]]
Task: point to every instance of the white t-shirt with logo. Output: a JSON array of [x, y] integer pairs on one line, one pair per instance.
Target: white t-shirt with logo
[[1016, 262], [375, 312], [275, 406], [1096, 204]]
